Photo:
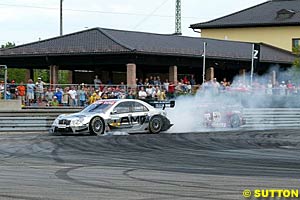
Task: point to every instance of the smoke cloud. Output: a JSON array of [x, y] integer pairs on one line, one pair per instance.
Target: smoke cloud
[[278, 88]]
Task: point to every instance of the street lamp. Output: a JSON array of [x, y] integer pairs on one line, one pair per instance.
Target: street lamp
[[61, 17]]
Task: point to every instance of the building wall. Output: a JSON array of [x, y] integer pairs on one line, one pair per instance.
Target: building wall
[[277, 36]]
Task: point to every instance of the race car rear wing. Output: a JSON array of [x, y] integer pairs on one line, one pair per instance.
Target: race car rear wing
[[162, 104]]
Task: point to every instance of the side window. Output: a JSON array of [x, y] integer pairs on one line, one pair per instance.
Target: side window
[[124, 107], [296, 44], [139, 107]]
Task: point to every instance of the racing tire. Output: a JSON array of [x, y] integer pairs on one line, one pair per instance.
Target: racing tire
[[155, 124], [235, 121], [97, 126]]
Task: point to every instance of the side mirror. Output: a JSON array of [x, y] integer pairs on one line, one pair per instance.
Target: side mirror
[[113, 112], [172, 104]]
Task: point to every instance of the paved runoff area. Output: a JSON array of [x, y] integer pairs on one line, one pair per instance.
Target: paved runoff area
[[221, 165]]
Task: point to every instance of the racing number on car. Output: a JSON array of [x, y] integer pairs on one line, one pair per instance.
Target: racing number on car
[[216, 116]]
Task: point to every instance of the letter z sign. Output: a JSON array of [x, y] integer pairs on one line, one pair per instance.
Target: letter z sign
[[255, 54]]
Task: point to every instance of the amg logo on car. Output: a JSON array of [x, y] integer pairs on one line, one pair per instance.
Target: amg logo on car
[[134, 120]]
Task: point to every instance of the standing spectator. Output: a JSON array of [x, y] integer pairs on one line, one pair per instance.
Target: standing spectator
[[162, 95], [224, 84], [193, 81], [131, 93], [269, 89], [30, 91], [171, 90], [73, 96], [189, 87], [97, 82], [290, 87], [93, 98], [155, 81], [82, 96], [215, 86], [122, 86], [142, 93], [58, 93], [166, 85], [156, 93], [158, 80], [149, 91], [1, 89], [39, 90], [283, 88], [49, 95], [21, 90], [65, 97], [151, 82], [12, 89], [146, 83], [185, 80], [140, 82]]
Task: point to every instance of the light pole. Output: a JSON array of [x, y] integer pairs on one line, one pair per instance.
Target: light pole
[[204, 59], [61, 17]]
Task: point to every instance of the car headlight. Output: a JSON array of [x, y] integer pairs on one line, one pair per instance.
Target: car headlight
[[55, 121], [77, 122]]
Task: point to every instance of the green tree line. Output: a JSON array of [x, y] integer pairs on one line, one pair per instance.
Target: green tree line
[[18, 74]]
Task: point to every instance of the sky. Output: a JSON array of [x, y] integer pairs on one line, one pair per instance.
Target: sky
[[24, 21]]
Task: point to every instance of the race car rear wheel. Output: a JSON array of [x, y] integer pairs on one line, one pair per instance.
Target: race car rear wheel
[[235, 121], [97, 126], [155, 124]]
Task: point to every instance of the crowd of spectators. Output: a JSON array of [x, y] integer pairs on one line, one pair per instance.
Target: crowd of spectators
[[150, 88]]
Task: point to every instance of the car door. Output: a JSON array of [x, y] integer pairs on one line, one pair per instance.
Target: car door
[[139, 116], [120, 116]]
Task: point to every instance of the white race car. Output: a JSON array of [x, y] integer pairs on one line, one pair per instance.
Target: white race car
[[128, 115]]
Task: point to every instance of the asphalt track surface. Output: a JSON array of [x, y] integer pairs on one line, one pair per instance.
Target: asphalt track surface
[[147, 167]]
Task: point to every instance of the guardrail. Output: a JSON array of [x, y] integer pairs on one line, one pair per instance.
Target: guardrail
[[32, 120], [272, 118], [40, 120]]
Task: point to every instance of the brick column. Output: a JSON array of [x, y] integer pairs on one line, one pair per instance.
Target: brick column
[[131, 74], [242, 74], [173, 74], [273, 78], [53, 74], [210, 74]]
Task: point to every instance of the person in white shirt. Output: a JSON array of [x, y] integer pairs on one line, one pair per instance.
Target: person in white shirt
[[142, 93], [39, 89], [73, 95]]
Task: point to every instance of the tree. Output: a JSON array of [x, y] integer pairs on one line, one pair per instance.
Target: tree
[[296, 51], [13, 73], [19, 75], [8, 45]]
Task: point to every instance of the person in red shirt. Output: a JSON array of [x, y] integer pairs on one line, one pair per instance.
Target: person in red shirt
[[171, 90], [21, 89]]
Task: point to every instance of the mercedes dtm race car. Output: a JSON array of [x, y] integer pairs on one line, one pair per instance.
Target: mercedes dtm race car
[[221, 116], [128, 115]]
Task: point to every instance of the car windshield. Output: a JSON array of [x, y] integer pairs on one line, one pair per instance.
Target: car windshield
[[101, 106]]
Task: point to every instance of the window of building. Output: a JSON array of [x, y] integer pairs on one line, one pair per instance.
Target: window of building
[[296, 44], [285, 14]]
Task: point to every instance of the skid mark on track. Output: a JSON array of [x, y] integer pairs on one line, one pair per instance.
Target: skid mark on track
[[63, 175], [7, 196]]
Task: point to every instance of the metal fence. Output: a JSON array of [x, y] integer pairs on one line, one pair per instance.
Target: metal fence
[[83, 94]]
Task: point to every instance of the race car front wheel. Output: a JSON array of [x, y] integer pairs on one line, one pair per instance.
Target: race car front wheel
[[155, 124], [235, 121], [97, 126]]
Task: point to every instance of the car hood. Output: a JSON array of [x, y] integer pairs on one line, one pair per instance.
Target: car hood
[[77, 115]]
